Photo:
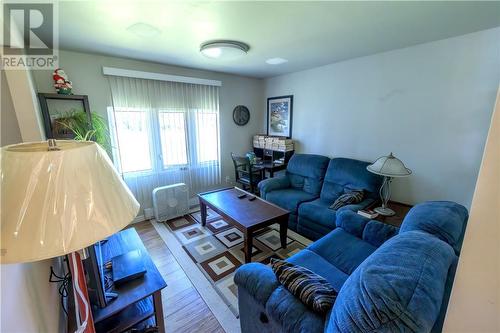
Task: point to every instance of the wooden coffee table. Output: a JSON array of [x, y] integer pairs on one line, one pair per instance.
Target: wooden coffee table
[[248, 216]]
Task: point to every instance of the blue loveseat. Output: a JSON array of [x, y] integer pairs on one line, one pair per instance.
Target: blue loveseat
[[387, 279], [311, 185]]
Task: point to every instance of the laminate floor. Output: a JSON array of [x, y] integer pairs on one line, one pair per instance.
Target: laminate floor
[[183, 307]]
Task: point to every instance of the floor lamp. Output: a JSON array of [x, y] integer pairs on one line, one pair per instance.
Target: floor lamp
[[58, 198]]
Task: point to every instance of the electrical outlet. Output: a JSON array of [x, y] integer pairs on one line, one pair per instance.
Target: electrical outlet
[[148, 213]]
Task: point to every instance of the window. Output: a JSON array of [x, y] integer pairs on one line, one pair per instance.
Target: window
[[132, 135], [184, 138], [207, 130], [165, 132], [173, 138]]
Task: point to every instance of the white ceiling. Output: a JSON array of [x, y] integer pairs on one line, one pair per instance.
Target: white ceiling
[[307, 34]]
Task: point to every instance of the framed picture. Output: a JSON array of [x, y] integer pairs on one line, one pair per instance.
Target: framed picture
[[65, 115], [279, 116]]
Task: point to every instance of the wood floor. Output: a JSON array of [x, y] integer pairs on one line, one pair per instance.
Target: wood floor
[[183, 307]]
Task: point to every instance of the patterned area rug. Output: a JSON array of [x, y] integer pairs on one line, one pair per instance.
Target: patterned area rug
[[217, 249]]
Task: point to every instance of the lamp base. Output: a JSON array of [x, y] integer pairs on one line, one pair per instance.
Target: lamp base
[[385, 211]]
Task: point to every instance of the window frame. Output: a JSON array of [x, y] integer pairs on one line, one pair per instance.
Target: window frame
[[154, 133]]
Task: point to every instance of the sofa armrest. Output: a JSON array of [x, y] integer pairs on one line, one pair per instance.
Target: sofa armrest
[[351, 222], [371, 231], [258, 280], [377, 233], [273, 184], [355, 207], [291, 314]]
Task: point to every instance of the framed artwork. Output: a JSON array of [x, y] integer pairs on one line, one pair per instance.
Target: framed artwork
[[279, 116], [63, 115]]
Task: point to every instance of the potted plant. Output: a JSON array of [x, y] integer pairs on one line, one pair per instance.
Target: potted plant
[[74, 124]]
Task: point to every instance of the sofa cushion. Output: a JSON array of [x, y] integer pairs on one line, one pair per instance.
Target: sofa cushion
[[306, 172], [342, 250], [317, 264], [348, 173], [397, 289], [313, 290], [444, 219], [318, 212], [289, 198]]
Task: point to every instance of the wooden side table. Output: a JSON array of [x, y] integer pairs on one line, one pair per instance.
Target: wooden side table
[[400, 208], [139, 301]]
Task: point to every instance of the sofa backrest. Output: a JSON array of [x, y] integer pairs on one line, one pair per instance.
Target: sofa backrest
[[306, 172], [398, 288], [445, 220], [349, 173]]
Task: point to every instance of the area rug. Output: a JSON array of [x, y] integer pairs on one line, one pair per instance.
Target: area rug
[[217, 249]]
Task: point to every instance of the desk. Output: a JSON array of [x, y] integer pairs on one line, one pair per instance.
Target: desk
[[139, 300], [270, 167]]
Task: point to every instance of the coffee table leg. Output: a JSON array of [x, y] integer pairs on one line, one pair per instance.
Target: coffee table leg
[[203, 210], [160, 322], [283, 230], [248, 247]]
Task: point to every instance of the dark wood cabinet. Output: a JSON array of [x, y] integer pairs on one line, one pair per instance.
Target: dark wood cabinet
[[271, 155]]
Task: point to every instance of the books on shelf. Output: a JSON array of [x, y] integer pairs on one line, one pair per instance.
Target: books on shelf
[[368, 213], [273, 143]]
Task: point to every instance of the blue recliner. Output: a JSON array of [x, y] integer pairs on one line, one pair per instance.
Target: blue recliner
[[312, 184], [316, 219], [302, 182], [388, 279]]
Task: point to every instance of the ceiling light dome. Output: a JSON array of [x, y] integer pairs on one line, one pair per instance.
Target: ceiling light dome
[[224, 49]]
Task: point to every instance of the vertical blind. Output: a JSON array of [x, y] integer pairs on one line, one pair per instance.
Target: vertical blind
[[163, 133]]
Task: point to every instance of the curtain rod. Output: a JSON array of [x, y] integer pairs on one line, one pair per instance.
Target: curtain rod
[[158, 76]]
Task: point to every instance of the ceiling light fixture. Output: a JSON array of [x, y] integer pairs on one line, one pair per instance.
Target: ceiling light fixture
[[224, 49], [276, 61], [144, 30]]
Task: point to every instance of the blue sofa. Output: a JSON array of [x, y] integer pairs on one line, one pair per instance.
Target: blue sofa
[[387, 279], [311, 185]]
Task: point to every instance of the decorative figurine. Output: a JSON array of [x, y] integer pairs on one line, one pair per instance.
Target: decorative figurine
[[61, 83]]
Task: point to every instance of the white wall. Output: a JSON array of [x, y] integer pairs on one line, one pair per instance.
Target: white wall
[[9, 131], [475, 299], [429, 104], [28, 302], [85, 71]]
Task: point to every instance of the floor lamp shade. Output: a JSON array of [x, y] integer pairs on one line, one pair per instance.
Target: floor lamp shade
[[54, 202]]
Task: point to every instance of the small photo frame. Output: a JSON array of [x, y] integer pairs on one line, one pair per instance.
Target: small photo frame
[[61, 113], [279, 116]]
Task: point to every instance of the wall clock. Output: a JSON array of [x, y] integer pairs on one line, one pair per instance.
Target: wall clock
[[241, 115]]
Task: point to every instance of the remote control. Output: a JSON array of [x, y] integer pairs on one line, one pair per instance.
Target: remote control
[[241, 196], [252, 198]]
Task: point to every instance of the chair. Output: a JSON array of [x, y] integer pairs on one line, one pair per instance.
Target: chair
[[245, 173]]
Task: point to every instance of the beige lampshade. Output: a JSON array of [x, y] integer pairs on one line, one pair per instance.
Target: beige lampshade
[[389, 166], [57, 202]]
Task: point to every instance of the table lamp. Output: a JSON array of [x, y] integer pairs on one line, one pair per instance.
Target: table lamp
[[57, 199], [389, 167]]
